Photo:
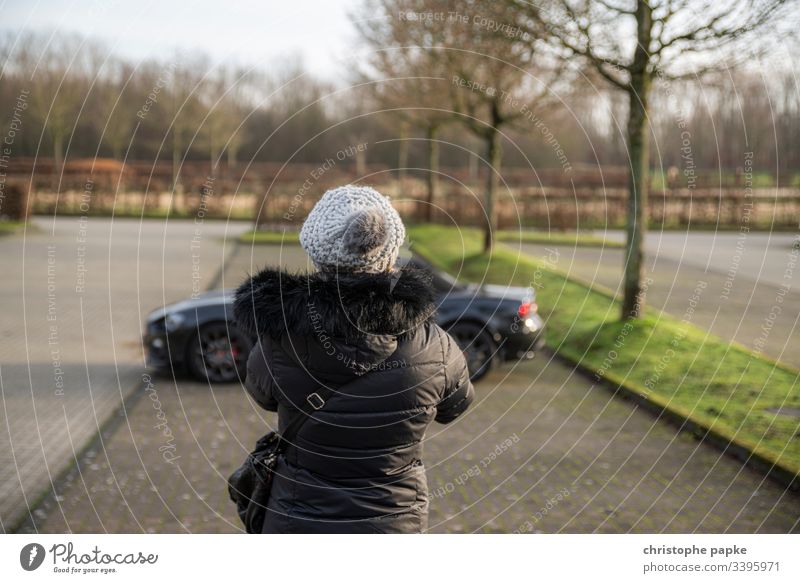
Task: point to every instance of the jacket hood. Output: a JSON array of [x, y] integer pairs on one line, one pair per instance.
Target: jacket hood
[[349, 306]]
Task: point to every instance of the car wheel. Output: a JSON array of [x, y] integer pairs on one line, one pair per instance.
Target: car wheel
[[477, 345], [218, 354]]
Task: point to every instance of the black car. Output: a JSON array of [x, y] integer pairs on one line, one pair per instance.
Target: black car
[[491, 323]]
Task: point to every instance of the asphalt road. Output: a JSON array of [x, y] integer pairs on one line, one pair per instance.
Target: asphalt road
[[541, 450], [756, 255], [74, 293], [749, 288]]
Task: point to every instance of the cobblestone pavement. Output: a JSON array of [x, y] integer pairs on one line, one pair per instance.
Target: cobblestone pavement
[[735, 301], [541, 450], [74, 292]]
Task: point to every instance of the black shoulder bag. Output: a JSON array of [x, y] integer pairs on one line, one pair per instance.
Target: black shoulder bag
[[249, 486]]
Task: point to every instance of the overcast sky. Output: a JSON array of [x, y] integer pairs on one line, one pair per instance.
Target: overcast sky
[[246, 31]]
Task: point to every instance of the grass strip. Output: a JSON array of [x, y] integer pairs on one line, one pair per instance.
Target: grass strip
[[11, 227], [572, 239], [269, 237]]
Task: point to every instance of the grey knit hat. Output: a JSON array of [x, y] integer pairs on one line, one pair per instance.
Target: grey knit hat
[[353, 228]]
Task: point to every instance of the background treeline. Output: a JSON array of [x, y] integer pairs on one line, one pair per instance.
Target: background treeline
[[83, 102]]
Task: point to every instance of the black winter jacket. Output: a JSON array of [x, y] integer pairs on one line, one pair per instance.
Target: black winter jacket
[[356, 465]]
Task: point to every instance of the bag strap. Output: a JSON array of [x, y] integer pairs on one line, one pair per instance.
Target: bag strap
[[313, 403]]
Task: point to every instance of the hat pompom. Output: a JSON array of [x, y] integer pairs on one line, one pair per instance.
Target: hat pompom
[[366, 231]]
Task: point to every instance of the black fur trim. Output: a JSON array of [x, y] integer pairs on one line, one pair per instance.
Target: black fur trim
[[343, 305]]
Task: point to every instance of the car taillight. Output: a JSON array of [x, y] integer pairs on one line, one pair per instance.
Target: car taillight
[[526, 309]]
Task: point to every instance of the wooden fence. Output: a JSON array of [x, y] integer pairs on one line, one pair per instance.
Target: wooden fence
[[275, 194]]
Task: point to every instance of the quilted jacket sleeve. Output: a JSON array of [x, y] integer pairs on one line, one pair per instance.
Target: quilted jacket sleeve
[[260, 381], [458, 391]]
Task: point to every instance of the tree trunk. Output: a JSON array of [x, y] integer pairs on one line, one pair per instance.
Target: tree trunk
[[361, 160], [58, 160], [212, 158], [493, 157], [639, 179], [58, 152], [116, 149], [176, 160], [402, 154], [230, 168], [472, 168], [433, 170]]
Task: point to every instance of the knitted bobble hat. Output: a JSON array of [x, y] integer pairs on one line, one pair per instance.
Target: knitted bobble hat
[[353, 228]]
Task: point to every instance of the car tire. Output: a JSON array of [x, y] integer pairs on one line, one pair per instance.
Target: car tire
[[217, 353], [477, 345]]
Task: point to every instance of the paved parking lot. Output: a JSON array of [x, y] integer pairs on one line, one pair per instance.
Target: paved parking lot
[[542, 450], [73, 294]]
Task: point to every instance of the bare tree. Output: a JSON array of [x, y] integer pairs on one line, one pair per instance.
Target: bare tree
[[488, 82], [58, 85], [218, 119], [494, 95], [411, 81], [184, 106], [418, 101], [672, 39], [118, 104], [752, 107], [236, 107], [222, 97]]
